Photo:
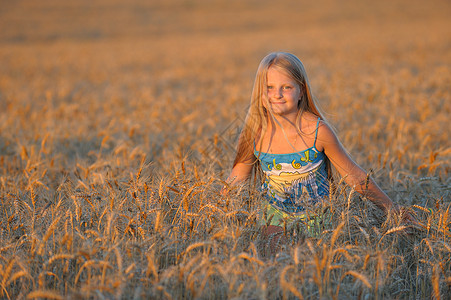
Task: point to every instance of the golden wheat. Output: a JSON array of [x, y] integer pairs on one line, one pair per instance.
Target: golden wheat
[[116, 140]]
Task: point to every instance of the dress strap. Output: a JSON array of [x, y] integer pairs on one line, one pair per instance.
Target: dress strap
[[316, 133]]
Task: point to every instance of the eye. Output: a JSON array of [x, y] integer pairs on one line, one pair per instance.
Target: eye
[[269, 87], [287, 87]]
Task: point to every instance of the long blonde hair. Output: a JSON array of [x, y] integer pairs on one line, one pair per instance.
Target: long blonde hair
[[256, 120]]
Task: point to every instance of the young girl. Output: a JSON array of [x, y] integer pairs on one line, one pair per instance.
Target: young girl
[[285, 132]]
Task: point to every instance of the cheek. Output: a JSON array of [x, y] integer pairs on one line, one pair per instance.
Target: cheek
[[298, 94], [269, 94], [301, 92], [295, 95]]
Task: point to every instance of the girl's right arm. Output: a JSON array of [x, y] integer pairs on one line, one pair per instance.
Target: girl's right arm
[[240, 173], [243, 165]]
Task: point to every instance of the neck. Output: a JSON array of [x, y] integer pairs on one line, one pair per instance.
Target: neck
[[286, 122]]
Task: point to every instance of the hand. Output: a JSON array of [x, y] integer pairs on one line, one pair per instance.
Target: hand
[[226, 187], [224, 191], [406, 217]]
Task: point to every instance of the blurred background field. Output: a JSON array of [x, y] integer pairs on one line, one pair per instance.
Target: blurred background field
[[118, 121]]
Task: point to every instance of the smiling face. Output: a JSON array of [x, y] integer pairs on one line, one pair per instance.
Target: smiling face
[[283, 93]]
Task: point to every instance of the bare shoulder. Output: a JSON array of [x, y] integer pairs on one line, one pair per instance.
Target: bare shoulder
[[309, 117], [309, 122], [326, 136], [325, 131]]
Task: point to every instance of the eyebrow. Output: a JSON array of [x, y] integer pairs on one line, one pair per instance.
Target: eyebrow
[[290, 84]]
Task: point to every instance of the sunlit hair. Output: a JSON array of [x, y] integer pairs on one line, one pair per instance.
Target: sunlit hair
[[256, 120]]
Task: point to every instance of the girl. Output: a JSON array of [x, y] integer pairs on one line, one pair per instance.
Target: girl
[[287, 136]]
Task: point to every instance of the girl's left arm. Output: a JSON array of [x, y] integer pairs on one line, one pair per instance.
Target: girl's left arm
[[353, 174]]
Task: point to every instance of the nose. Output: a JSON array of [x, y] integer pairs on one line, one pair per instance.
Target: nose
[[278, 93]]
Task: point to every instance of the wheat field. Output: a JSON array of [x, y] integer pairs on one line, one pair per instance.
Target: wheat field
[[118, 122]]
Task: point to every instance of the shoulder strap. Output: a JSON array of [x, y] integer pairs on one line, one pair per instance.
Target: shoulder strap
[[316, 133]]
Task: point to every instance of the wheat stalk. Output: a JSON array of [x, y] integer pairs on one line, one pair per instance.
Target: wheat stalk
[[6, 273], [89, 264], [47, 294], [436, 282], [395, 229], [49, 232], [285, 285], [18, 275], [151, 268], [359, 276]]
